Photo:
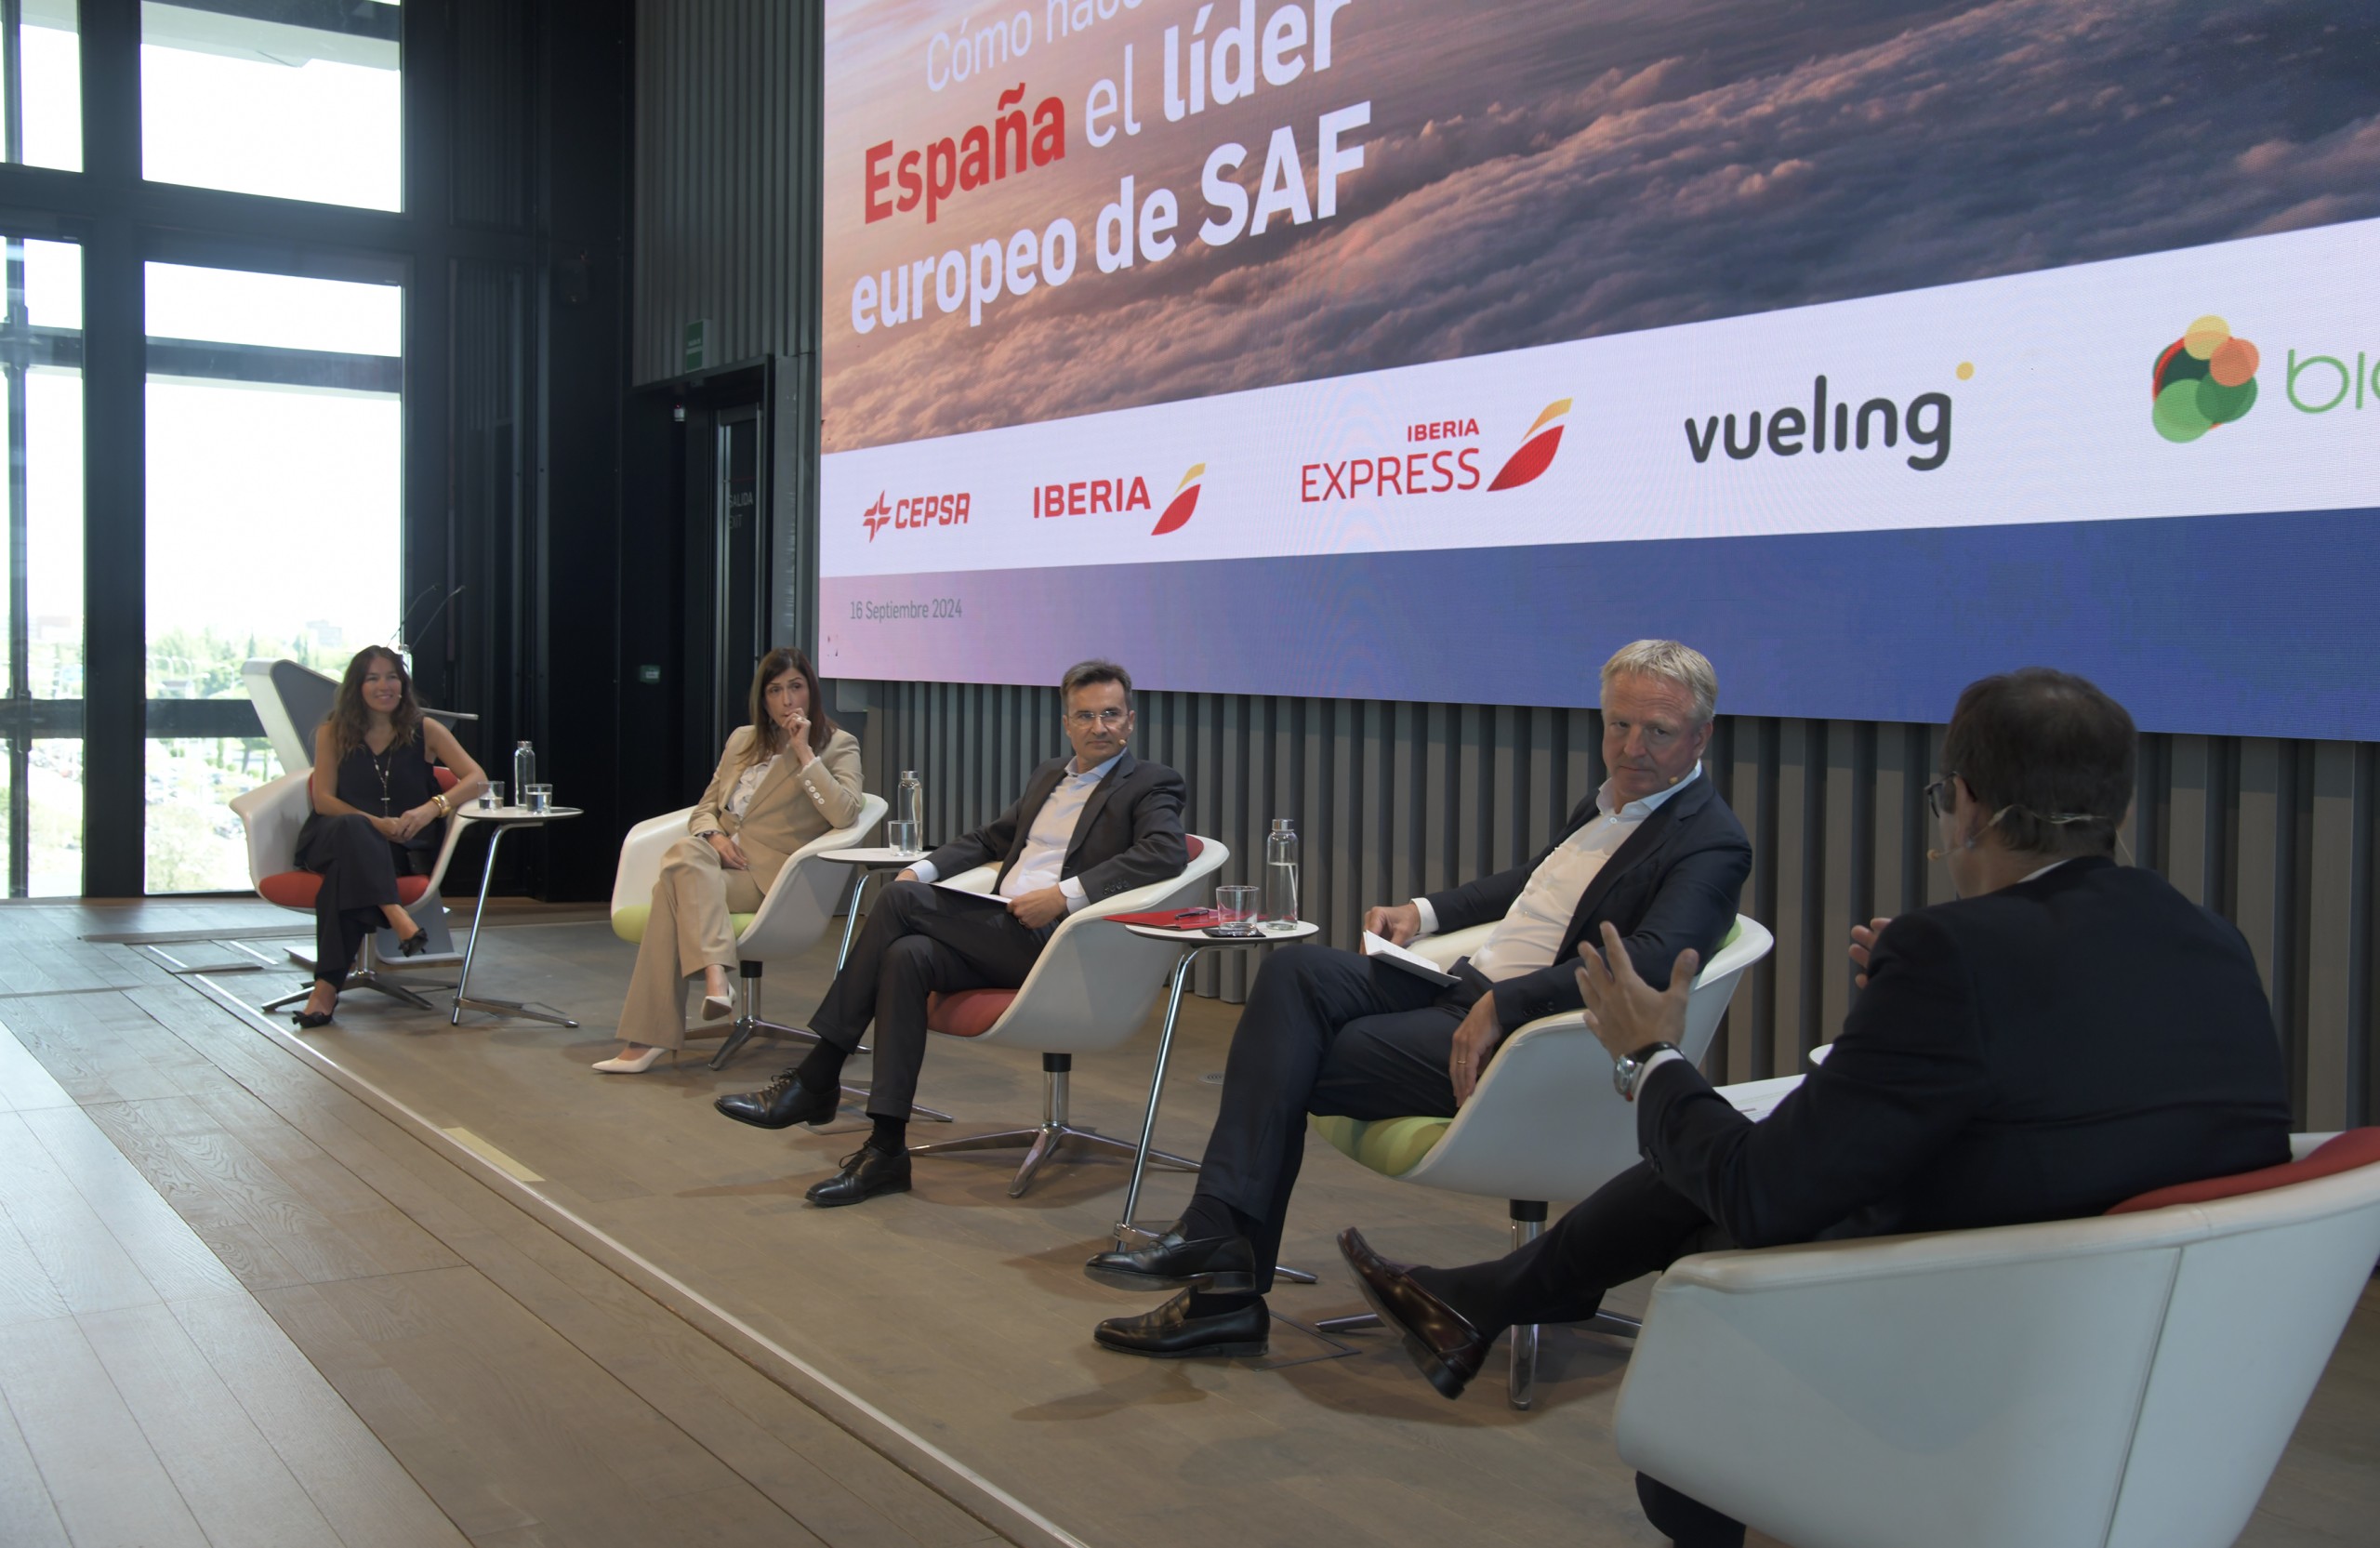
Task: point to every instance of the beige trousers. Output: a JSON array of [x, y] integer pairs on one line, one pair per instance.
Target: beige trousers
[[689, 930]]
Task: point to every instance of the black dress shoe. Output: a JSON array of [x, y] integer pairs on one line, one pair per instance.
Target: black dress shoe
[[414, 944], [308, 1020], [1442, 1341], [1684, 1520], [781, 1104], [1225, 1265], [867, 1171], [1171, 1333]]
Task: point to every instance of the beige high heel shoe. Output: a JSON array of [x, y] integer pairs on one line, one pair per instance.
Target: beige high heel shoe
[[623, 1065]]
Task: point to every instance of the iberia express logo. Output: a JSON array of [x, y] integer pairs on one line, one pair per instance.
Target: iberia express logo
[[2204, 379], [1184, 503], [1443, 460], [1544, 439]]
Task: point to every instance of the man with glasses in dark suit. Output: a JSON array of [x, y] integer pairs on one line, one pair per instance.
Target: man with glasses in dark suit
[[1086, 827]]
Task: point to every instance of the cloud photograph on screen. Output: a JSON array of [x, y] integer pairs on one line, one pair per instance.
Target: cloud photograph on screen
[[1537, 172]]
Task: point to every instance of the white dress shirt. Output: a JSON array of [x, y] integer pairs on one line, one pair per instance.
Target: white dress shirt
[[1048, 840], [740, 800], [1528, 935]]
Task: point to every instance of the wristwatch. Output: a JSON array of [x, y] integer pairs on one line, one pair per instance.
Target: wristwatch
[[1628, 1068]]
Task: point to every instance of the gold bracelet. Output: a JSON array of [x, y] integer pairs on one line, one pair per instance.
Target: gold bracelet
[[444, 809]]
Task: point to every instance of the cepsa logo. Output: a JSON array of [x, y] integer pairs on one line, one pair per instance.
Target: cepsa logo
[[1451, 469], [913, 512], [1120, 495]]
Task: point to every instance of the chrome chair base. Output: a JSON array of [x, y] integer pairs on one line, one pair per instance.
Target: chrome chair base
[[1043, 1141], [367, 973], [1052, 1134]]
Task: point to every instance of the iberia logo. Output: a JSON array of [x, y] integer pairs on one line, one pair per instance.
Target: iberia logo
[[1184, 503], [1544, 439], [2204, 379], [876, 515]]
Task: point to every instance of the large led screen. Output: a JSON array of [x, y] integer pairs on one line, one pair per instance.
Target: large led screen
[[1406, 349]]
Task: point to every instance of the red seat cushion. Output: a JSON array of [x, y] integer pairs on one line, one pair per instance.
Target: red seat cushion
[[968, 1013], [298, 889], [447, 780], [2356, 1148], [1194, 844]]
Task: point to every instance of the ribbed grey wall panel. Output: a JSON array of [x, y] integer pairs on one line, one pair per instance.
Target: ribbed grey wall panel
[[726, 180], [1395, 799]]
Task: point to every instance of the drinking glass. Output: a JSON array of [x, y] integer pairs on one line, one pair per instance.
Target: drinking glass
[[1235, 910], [493, 797], [902, 838], [537, 798]]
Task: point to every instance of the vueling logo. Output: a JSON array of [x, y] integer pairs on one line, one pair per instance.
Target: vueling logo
[[2204, 379]]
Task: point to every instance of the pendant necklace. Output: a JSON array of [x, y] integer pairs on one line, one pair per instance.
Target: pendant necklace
[[382, 769]]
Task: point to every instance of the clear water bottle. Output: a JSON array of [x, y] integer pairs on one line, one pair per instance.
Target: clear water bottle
[[1281, 876], [524, 773], [909, 805]]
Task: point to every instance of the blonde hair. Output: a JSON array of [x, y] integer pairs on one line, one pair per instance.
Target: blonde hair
[[1671, 662]]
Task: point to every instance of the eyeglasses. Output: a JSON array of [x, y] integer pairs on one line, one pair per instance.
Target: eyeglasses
[[1939, 797], [1089, 717]]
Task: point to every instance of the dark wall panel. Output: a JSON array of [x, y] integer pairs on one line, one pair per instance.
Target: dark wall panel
[[1393, 799]]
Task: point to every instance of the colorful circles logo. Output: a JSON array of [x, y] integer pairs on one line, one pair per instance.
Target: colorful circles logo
[[2204, 379]]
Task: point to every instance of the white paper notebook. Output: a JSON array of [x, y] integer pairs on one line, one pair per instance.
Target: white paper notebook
[[1411, 961]]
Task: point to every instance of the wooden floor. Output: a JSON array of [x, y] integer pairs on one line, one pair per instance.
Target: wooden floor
[[241, 1302]]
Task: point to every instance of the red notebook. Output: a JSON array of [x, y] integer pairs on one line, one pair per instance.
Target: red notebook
[[1172, 919]]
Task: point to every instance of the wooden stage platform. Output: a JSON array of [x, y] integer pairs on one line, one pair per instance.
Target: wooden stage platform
[[450, 1281]]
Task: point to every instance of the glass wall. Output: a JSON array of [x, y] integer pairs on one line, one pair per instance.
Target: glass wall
[[257, 106], [41, 79], [275, 435], [41, 394]]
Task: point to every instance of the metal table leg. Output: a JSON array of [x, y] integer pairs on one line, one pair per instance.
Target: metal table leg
[[498, 1006], [1124, 1227], [851, 913]]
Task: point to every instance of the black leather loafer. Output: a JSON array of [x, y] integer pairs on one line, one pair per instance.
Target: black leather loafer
[[781, 1104], [1442, 1341], [1171, 1333], [867, 1171], [1225, 1264]]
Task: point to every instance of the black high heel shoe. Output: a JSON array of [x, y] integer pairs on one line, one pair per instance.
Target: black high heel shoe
[[414, 944], [308, 1020]]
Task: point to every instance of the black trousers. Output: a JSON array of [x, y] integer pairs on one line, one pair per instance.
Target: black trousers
[[919, 940], [1330, 1032], [359, 870], [1632, 1226]]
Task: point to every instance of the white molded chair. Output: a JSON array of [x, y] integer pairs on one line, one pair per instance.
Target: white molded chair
[[2127, 1381], [1090, 989], [272, 813], [794, 914], [1544, 1123]]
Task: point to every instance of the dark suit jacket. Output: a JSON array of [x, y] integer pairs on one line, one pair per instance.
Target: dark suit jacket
[[1129, 835], [1672, 885], [2040, 1052]]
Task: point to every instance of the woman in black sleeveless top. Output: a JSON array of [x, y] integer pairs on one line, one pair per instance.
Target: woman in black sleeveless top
[[378, 814]]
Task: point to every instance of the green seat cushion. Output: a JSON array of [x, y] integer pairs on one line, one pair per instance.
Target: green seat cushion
[[1394, 1146], [1391, 1146], [627, 923]]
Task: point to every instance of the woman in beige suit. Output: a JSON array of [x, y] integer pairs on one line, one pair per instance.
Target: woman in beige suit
[[785, 779]]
